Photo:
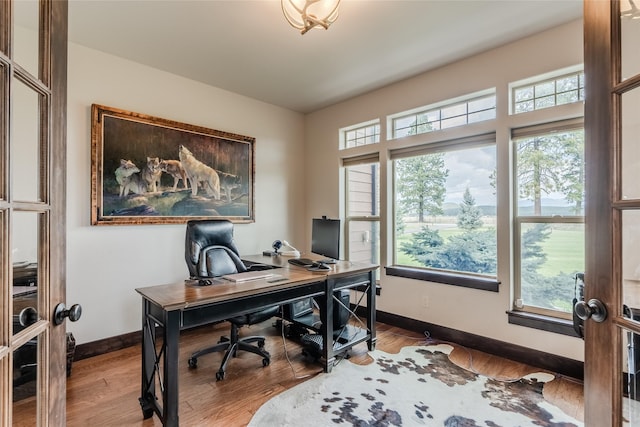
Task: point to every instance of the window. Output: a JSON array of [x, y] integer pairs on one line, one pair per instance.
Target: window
[[549, 222], [363, 209], [566, 89], [361, 135], [445, 208], [451, 114]]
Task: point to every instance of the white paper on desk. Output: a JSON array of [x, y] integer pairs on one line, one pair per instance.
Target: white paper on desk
[[249, 275]]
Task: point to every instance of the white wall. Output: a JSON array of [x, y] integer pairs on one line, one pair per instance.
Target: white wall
[[474, 311], [106, 263]]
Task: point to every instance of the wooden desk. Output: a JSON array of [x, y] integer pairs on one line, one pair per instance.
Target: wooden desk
[[184, 304]]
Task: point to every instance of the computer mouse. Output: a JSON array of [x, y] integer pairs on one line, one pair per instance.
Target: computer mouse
[[205, 282]]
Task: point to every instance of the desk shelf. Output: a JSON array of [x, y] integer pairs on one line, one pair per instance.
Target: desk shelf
[[310, 324]]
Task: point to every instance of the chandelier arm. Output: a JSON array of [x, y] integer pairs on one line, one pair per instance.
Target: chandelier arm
[[307, 21]]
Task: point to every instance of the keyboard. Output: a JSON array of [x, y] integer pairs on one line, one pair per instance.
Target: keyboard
[[301, 262], [249, 275]]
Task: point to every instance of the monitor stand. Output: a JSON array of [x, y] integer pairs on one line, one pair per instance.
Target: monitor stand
[[327, 261]]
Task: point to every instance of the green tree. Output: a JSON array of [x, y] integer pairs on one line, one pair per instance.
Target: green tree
[[474, 250], [422, 245], [469, 215], [549, 163], [420, 184], [572, 176], [532, 253], [493, 181]]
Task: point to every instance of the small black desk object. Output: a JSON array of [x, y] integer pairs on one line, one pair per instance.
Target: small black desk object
[[183, 305]]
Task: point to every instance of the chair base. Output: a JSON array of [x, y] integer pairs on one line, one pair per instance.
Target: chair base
[[231, 346]]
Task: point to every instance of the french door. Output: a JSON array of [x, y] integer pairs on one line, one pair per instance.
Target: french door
[[612, 275], [33, 61]]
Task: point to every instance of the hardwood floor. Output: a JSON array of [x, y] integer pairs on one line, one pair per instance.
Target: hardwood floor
[[104, 390]]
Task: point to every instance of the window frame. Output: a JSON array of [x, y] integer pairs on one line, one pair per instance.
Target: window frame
[[547, 128], [579, 73], [375, 136], [438, 108], [449, 277], [367, 159]]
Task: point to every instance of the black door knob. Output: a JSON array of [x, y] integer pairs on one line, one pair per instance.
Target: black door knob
[[61, 312], [28, 316], [594, 309]]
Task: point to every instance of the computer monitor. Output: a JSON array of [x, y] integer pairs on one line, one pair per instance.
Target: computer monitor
[[325, 239]]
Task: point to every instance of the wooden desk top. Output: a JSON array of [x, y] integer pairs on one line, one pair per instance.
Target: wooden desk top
[[187, 293], [338, 269]]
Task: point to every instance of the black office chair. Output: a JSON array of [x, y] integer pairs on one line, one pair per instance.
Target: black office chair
[[210, 252]]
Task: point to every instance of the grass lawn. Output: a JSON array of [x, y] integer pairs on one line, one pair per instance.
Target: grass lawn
[[564, 249]]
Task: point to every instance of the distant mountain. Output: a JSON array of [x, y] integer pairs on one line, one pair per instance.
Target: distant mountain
[[549, 207], [451, 209], [546, 202]]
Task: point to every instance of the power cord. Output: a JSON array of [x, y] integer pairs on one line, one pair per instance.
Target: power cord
[[286, 355]]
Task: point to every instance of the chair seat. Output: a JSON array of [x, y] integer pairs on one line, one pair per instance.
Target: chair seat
[[255, 317]]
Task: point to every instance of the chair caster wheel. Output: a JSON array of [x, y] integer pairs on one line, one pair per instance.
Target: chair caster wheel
[[219, 375], [193, 362], [147, 413], [266, 362]]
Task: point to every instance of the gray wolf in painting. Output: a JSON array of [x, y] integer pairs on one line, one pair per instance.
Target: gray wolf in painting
[[129, 179], [151, 174], [175, 169], [229, 182], [198, 172]]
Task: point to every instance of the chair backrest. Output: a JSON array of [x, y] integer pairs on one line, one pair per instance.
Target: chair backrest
[[210, 250]]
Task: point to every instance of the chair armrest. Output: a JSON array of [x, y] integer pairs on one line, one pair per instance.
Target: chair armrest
[[259, 267]]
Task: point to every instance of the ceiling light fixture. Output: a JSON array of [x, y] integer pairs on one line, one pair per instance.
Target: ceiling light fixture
[[307, 14]]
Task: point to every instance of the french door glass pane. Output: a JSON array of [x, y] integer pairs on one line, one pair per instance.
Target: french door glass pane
[[24, 256], [25, 143], [630, 34], [26, 24], [631, 380], [25, 383], [630, 131], [631, 261]]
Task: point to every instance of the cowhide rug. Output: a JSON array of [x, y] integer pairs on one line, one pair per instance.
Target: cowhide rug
[[418, 386]]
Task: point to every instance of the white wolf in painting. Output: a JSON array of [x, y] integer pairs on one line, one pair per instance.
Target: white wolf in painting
[[198, 172], [129, 179]]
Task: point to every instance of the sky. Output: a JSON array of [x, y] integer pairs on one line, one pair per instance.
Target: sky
[[471, 168]]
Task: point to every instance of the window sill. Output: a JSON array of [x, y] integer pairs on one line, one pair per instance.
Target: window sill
[[541, 322], [455, 279]]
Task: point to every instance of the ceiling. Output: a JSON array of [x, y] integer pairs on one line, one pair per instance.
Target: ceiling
[[247, 47]]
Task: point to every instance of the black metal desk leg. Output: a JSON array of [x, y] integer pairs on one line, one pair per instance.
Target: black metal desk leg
[[371, 311], [148, 388], [170, 372], [327, 326]]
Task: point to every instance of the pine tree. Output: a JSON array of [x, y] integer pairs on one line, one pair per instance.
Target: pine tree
[[469, 216], [420, 184]]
